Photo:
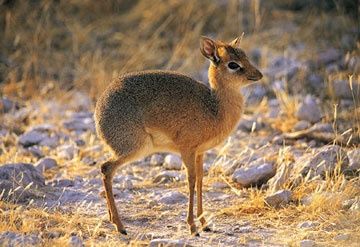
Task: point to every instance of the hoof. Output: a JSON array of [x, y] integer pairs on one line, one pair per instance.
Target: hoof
[[206, 229], [123, 232], [197, 234]]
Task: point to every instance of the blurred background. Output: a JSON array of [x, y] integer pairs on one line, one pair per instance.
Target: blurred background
[[47, 46]]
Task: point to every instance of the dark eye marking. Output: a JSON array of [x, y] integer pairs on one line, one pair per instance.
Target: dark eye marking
[[233, 66]]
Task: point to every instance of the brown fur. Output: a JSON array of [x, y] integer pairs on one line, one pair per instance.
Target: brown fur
[[163, 111]]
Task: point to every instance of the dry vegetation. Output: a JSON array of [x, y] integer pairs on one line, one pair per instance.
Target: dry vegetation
[[51, 50]]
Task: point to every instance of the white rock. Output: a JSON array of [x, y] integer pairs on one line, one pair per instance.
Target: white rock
[[45, 164], [323, 160], [281, 177], [342, 237], [301, 125], [75, 241], [354, 159], [309, 110], [67, 151], [21, 174], [279, 198], [80, 124], [31, 138], [219, 185], [168, 176], [12, 239], [172, 197], [307, 224], [342, 89], [166, 242], [172, 162], [156, 160], [307, 243], [254, 172]]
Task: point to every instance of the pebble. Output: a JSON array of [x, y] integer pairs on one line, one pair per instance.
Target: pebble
[[254, 172], [354, 159], [46, 164], [172, 197], [32, 137], [168, 176], [172, 162], [342, 89], [307, 224], [75, 241], [301, 125], [309, 110], [342, 237], [12, 239], [166, 242], [307, 243], [279, 198], [156, 160], [67, 151]]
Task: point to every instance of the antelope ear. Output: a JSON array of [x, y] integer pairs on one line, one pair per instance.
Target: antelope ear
[[236, 42], [208, 48]]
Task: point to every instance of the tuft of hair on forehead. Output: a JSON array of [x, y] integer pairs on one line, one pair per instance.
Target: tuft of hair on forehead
[[234, 53]]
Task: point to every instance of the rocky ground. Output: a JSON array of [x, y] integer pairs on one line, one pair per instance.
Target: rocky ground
[[289, 175]]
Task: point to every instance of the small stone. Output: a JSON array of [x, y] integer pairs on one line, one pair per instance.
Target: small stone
[[21, 174], [127, 184], [168, 176], [279, 198], [80, 142], [256, 171], [354, 159], [219, 185], [307, 243], [301, 125], [88, 161], [281, 177], [156, 160], [342, 237], [31, 138], [62, 183], [67, 151], [35, 151], [80, 124], [321, 161], [309, 110], [166, 242], [172, 162], [316, 82], [7, 105], [50, 141], [45, 164], [329, 56], [172, 197], [75, 241], [307, 224], [249, 124], [342, 89], [17, 239]]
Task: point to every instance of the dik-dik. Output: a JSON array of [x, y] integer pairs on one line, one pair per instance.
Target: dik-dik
[[163, 111]]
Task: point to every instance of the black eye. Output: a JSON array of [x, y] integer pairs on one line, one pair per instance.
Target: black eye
[[233, 66]]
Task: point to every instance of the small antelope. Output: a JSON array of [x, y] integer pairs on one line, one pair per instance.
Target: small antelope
[[163, 111]]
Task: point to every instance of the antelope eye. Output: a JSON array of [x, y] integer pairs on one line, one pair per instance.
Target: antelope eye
[[233, 65]]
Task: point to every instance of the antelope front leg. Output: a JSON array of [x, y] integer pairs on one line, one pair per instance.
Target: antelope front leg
[[199, 177], [189, 161]]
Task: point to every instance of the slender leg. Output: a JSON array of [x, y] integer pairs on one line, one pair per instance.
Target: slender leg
[[199, 178], [189, 161], [108, 170]]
